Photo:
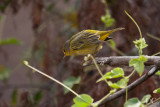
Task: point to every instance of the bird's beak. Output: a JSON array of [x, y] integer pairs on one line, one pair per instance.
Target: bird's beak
[[64, 56]]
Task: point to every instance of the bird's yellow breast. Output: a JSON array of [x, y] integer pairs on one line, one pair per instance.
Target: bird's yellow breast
[[86, 51]]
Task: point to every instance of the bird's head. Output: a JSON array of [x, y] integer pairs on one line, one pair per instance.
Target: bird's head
[[66, 49]]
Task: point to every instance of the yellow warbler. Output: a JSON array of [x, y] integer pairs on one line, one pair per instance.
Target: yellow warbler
[[87, 42]]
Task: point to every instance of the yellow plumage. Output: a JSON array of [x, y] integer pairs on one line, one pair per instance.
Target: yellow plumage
[[87, 42]]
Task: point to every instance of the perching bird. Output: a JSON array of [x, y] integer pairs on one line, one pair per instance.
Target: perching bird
[[87, 42]]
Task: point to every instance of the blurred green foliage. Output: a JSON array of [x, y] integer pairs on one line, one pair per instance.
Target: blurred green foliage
[[4, 73], [37, 97], [70, 82], [14, 97], [156, 91], [4, 4], [158, 73], [10, 41], [107, 19], [50, 7], [112, 42]]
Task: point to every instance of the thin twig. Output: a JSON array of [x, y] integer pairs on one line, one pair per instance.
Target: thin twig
[[135, 24], [156, 54], [58, 82], [116, 50], [153, 37], [97, 67]]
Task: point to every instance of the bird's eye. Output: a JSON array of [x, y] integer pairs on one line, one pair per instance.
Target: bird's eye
[[64, 50]]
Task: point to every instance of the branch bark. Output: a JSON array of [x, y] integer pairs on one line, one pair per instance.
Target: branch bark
[[124, 60]]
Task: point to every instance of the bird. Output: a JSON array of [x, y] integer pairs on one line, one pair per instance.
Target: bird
[[87, 42]]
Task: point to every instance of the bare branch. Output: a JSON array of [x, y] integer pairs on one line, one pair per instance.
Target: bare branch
[[124, 60]]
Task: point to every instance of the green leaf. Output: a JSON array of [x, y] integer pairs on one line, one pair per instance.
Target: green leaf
[[38, 96], [158, 72], [10, 41], [138, 64], [113, 91], [122, 83], [87, 101], [4, 73], [112, 42], [14, 97], [115, 73], [70, 82], [134, 102], [156, 91], [142, 58], [75, 105], [107, 19], [140, 44], [113, 85], [146, 98]]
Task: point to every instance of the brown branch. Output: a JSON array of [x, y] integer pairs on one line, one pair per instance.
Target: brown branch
[[134, 84], [124, 60]]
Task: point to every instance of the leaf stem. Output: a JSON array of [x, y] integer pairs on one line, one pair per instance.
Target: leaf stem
[[140, 33], [153, 37], [97, 67], [156, 54], [116, 50], [27, 64], [105, 97], [135, 23], [131, 73], [126, 87]]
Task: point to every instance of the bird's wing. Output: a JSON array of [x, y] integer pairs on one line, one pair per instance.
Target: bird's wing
[[83, 40]]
